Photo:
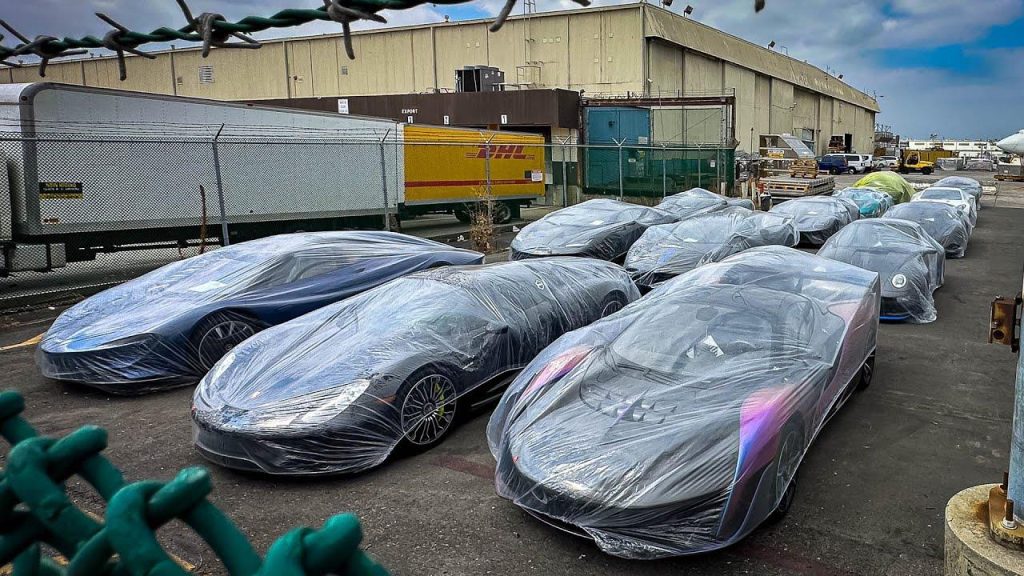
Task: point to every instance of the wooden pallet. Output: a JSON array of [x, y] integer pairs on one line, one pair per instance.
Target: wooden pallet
[[803, 169]]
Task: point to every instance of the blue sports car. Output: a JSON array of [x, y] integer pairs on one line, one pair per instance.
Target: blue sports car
[[168, 327]]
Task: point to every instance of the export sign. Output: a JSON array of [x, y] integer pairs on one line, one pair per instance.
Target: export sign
[[501, 152]]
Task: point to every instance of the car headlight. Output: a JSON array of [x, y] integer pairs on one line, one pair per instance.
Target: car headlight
[[309, 409], [899, 281]]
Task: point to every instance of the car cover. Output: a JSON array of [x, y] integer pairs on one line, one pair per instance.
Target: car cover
[[945, 224], [818, 217], [889, 182], [669, 250], [601, 228], [693, 202], [161, 329], [969, 185], [337, 390], [910, 264], [676, 425], [871, 202]]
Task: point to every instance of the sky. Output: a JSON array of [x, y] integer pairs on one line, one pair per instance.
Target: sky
[[953, 68]]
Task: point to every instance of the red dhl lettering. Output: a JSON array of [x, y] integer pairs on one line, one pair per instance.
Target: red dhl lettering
[[501, 152]]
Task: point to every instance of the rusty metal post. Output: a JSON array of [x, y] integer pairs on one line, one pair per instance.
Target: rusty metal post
[[224, 239]]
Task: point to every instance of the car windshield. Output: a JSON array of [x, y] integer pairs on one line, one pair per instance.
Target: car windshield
[[941, 194], [701, 338]]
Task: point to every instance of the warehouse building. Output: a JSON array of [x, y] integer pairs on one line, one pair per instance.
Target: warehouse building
[[635, 50]]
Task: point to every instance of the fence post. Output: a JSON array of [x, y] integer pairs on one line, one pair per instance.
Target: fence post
[[384, 181], [619, 149], [664, 171], [487, 176], [224, 239], [565, 172], [700, 168]]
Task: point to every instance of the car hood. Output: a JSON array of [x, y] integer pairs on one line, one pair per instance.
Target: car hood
[[621, 436], [585, 226]]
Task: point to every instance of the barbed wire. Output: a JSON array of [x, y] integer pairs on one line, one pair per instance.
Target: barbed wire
[[215, 31]]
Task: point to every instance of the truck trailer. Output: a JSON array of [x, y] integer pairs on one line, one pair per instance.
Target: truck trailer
[[91, 170]]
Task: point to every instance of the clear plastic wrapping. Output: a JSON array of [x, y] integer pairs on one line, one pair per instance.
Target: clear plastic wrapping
[[602, 228], [168, 327], [668, 250], [889, 182], [337, 390], [969, 185], [954, 198], [741, 202], [944, 224], [818, 217], [872, 203], [676, 425], [693, 202], [910, 264]]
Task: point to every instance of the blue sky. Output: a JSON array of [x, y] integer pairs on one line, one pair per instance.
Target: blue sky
[[948, 67]]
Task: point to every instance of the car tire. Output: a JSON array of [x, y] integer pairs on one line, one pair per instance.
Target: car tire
[[926, 171], [791, 449], [833, 171], [866, 373], [851, 170], [612, 303], [427, 408], [218, 333]]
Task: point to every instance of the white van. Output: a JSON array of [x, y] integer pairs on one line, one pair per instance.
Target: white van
[[859, 162]]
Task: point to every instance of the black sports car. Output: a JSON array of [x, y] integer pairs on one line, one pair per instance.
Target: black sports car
[[945, 224], [693, 202], [668, 250], [910, 264], [338, 389], [818, 217], [602, 228], [676, 426], [969, 185], [168, 327]]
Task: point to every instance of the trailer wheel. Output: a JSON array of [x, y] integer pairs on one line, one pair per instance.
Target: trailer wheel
[[501, 213], [463, 215]]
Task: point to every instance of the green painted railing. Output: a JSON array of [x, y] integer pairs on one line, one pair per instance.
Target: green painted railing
[[35, 510]]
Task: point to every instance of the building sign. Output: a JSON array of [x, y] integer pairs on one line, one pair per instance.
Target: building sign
[[342, 105], [60, 190], [504, 118], [776, 153], [410, 110]]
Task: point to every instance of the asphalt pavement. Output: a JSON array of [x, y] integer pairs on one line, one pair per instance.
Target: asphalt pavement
[[871, 490]]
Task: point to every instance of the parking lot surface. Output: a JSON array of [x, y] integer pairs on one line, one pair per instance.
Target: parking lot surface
[[870, 497]]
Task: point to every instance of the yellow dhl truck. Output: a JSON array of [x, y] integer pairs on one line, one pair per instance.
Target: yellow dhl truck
[[447, 170]]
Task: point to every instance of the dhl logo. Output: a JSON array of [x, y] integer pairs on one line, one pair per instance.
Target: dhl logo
[[501, 152]]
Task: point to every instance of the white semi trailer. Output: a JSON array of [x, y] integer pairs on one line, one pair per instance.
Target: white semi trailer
[[94, 170]]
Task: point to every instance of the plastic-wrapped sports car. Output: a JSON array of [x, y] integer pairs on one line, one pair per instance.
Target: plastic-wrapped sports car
[[818, 217], [942, 222], [969, 185], [669, 250], [693, 202], [870, 202], [910, 264], [168, 327], [338, 389], [741, 202], [602, 228], [953, 197], [676, 426]]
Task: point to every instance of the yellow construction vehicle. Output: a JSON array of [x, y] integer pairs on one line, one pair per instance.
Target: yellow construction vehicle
[[910, 161]]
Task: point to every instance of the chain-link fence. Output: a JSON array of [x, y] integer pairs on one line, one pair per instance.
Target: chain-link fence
[[95, 208]]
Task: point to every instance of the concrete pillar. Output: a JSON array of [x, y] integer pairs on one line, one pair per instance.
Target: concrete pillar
[[970, 550]]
